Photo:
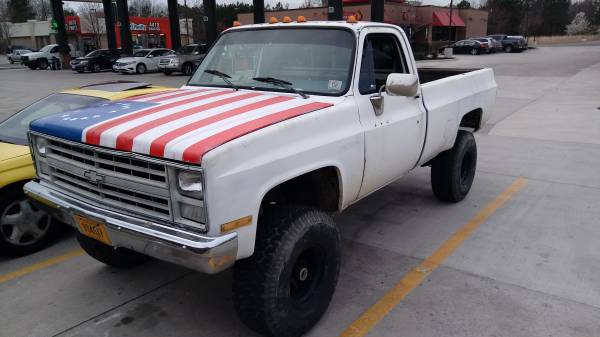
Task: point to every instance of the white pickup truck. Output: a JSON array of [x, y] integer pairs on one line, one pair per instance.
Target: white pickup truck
[[281, 126]]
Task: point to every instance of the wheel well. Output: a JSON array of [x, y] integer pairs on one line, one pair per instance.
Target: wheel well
[[472, 120], [319, 188]]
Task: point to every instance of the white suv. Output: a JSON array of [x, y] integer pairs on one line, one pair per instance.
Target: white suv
[[41, 59]]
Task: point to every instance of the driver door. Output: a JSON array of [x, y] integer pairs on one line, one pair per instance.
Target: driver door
[[394, 134]]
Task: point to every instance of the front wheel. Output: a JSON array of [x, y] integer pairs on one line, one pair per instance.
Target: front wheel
[[96, 68], [115, 257], [140, 69], [286, 286], [24, 228], [474, 51], [508, 49], [43, 64], [187, 69], [453, 171]]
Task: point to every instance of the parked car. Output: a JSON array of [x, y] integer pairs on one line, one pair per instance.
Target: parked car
[[41, 59], [277, 129], [490, 44], [183, 60], [142, 61], [472, 47], [15, 55], [510, 43], [96, 61], [25, 228]]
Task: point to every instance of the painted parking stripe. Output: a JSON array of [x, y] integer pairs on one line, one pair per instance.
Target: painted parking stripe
[[414, 277], [41, 265]]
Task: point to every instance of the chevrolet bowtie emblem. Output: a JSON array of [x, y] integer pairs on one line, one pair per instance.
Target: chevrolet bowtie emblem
[[93, 177]]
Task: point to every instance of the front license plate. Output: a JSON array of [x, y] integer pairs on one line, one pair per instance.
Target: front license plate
[[92, 228]]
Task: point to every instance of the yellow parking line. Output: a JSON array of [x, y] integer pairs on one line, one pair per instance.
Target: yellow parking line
[[40, 265], [414, 277]]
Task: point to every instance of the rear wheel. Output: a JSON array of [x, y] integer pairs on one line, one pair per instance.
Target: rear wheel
[[453, 171], [286, 286], [115, 257], [96, 68], [508, 49], [24, 228], [474, 51]]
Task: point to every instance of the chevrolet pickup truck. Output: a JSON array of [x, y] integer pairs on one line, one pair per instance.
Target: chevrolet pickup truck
[[281, 126]]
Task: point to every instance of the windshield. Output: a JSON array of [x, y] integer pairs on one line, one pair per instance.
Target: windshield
[[186, 50], [14, 129], [314, 60], [141, 53], [47, 48], [94, 53]]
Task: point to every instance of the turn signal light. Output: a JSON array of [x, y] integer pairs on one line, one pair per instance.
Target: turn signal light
[[236, 23], [286, 19], [351, 19], [273, 20], [301, 19]]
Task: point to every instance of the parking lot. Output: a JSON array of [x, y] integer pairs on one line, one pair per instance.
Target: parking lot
[[518, 257]]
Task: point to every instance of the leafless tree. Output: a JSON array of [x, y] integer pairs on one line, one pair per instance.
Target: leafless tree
[[42, 9], [90, 13], [147, 8], [5, 25]]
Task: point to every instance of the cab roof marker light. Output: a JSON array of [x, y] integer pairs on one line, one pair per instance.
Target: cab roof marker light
[[273, 20], [286, 19], [351, 19], [236, 24], [301, 19]]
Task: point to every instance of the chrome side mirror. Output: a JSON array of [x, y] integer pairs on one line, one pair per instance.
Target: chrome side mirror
[[402, 85]]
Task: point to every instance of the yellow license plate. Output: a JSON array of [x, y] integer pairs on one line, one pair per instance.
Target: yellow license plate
[[92, 228]]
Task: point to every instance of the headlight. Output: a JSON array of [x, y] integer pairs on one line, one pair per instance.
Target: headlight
[[175, 61], [41, 146], [84, 62], [189, 184]]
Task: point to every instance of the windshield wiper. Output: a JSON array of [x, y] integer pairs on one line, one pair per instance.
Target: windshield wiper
[[281, 83], [223, 76]]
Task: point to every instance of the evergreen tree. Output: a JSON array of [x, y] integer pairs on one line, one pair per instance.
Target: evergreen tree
[[20, 10]]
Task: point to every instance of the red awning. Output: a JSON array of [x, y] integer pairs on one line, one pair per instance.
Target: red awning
[[442, 19]]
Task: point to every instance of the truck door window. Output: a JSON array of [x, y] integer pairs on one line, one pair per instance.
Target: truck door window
[[381, 56]]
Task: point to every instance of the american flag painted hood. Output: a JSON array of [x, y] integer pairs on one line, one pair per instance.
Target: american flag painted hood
[[182, 124]]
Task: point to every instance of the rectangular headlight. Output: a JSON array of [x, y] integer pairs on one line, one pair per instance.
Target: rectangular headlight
[[189, 183]]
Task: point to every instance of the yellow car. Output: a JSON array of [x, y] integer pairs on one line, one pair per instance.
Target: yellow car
[[23, 227]]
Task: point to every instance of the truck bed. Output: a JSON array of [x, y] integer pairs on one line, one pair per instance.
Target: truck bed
[[432, 74], [450, 94]]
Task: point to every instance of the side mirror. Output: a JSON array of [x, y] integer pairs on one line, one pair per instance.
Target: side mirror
[[402, 85]]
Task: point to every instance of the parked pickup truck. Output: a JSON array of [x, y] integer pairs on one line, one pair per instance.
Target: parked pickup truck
[[41, 59], [281, 125]]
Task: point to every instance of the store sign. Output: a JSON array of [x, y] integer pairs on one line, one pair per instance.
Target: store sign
[[152, 26]]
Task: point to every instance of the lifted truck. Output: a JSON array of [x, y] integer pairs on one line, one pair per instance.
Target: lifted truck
[[281, 125]]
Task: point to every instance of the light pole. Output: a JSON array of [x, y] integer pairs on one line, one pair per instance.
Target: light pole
[[450, 23], [187, 25]]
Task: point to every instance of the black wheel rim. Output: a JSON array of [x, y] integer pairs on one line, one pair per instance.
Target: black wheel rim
[[307, 274]]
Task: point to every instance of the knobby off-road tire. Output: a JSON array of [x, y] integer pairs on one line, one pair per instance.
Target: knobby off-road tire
[[286, 286], [115, 257], [453, 171], [24, 228]]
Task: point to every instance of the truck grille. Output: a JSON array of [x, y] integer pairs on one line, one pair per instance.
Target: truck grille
[[109, 178], [24, 58], [164, 61]]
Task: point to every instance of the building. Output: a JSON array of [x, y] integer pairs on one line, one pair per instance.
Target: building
[[423, 24], [89, 33]]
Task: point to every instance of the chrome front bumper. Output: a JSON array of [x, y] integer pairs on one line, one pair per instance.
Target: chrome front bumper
[[191, 250]]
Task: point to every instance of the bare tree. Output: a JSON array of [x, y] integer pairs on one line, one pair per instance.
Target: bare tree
[[42, 9], [147, 8], [5, 25], [90, 13]]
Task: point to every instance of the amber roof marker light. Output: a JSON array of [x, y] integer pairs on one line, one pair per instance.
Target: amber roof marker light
[[301, 19], [273, 20], [351, 19], [236, 24], [286, 19]]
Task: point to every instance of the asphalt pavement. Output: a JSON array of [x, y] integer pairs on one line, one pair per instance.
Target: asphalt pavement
[[518, 257]]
